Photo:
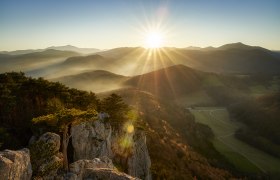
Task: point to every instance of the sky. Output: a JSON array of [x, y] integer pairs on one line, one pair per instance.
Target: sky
[[105, 24]]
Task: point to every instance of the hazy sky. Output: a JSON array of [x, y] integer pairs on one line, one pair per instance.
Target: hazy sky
[[107, 24]]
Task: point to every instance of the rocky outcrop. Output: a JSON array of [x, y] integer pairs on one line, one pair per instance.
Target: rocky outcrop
[[98, 168], [52, 139], [91, 140], [105, 173], [15, 165], [80, 166], [96, 139], [45, 156], [139, 163]]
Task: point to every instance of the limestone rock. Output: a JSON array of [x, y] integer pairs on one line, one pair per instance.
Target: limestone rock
[[139, 163], [91, 140], [98, 168], [15, 165], [106, 174], [79, 167], [96, 139]]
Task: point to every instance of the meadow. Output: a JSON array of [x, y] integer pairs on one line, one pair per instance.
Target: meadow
[[243, 156]]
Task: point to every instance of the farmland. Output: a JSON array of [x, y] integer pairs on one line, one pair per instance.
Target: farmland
[[243, 156]]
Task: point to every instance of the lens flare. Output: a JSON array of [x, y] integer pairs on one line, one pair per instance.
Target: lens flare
[[130, 129], [154, 40]]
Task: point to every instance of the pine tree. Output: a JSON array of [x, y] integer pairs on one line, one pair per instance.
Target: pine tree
[[64, 120]]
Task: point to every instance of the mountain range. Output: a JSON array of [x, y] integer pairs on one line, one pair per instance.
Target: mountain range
[[168, 88], [60, 48], [236, 58]]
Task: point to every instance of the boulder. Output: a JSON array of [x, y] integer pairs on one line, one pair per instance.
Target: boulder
[[106, 173], [15, 165], [78, 168], [52, 140], [97, 168], [45, 156]]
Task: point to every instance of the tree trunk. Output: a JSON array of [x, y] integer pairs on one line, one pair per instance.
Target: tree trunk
[[64, 148]]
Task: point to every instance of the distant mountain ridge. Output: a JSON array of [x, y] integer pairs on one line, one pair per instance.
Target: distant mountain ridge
[[237, 45], [235, 58], [95, 81], [34, 60], [75, 49], [60, 48]]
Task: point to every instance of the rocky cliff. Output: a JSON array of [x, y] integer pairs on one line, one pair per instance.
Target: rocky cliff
[[127, 147], [15, 165], [99, 153]]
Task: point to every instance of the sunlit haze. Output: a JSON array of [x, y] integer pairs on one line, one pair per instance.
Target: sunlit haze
[[154, 40], [33, 24]]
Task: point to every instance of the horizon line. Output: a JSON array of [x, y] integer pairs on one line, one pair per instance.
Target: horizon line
[[185, 47]]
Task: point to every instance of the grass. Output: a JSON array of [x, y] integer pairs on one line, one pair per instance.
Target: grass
[[245, 157], [196, 98], [239, 161], [212, 80]]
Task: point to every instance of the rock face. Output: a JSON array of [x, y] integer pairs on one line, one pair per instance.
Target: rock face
[[139, 163], [15, 165], [91, 140], [79, 167], [96, 139], [98, 168]]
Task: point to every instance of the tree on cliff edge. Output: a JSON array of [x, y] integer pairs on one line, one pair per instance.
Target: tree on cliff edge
[[64, 120], [116, 108]]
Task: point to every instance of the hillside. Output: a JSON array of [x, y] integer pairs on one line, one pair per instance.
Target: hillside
[[95, 81], [188, 86], [34, 60], [174, 139], [37, 97], [229, 58], [168, 82], [71, 66]]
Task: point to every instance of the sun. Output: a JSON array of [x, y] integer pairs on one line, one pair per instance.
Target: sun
[[154, 39]]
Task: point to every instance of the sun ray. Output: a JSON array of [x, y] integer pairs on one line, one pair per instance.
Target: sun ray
[[154, 40]]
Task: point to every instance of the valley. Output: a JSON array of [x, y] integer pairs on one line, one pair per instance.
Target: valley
[[242, 155]]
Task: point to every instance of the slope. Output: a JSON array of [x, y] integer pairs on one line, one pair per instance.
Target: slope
[[34, 60], [169, 82], [171, 133], [95, 81]]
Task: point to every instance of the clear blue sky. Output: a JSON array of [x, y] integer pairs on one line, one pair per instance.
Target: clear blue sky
[[105, 24]]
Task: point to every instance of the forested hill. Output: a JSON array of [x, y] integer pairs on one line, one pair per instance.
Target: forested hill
[[22, 98]]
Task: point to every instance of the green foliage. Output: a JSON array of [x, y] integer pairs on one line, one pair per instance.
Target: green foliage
[[65, 117], [116, 108], [63, 120], [261, 115], [41, 153], [23, 98]]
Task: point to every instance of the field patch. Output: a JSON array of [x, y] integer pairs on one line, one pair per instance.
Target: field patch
[[243, 156]]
